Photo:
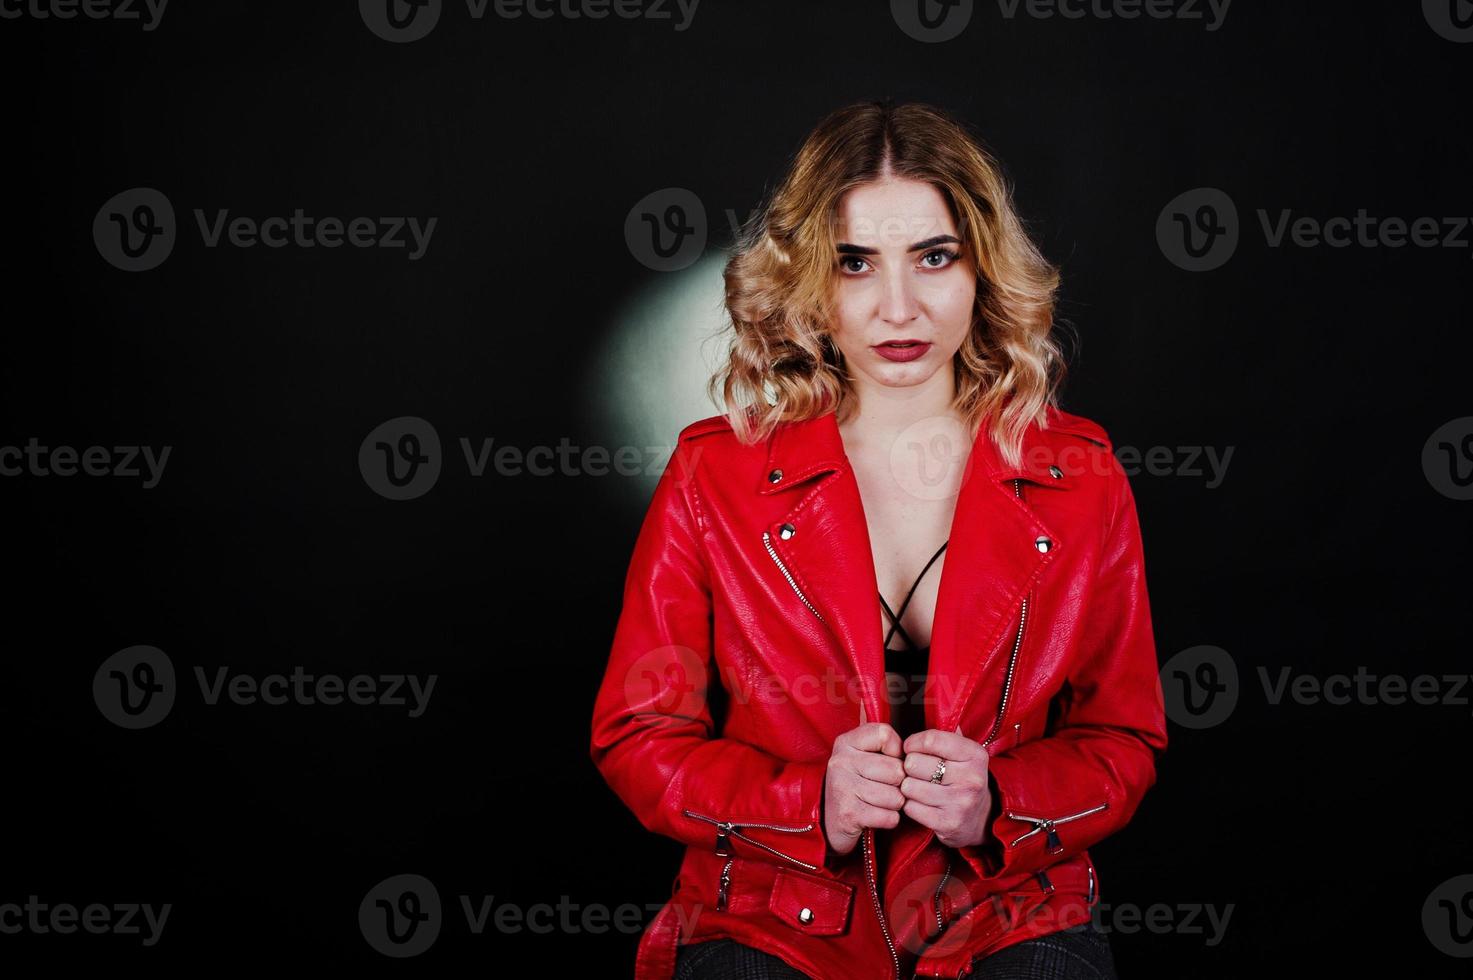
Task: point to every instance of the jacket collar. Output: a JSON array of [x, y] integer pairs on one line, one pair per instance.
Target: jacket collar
[[993, 559], [797, 451]]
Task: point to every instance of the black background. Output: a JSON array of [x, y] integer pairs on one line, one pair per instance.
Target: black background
[[1325, 548]]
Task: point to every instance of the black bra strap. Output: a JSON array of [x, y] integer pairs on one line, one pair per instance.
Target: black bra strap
[[895, 616]]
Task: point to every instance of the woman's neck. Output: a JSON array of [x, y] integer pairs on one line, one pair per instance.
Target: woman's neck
[[881, 413]]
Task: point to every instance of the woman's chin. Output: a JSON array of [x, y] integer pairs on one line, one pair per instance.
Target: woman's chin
[[903, 375]]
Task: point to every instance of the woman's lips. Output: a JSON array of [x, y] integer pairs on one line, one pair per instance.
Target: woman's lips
[[902, 350]]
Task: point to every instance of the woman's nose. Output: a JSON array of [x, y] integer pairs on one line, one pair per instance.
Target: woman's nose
[[898, 304]]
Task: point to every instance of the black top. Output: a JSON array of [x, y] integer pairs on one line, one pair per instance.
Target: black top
[[905, 670]]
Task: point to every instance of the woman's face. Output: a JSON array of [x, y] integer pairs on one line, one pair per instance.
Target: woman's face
[[905, 287]]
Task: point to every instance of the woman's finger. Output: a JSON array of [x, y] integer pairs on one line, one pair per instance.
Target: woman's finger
[[879, 794], [921, 765], [925, 791], [878, 817], [930, 817], [880, 768], [948, 745]]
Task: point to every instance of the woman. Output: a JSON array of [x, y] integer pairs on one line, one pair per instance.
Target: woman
[[885, 661]]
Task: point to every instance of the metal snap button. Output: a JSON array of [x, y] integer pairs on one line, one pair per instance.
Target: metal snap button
[[1055, 472], [1042, 543], [786, 531], [806, 916], [774, 476]]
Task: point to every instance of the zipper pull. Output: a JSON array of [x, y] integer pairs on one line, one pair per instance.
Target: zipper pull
[[1051, 838], [723, 839], [1043, 882], [724, 886]]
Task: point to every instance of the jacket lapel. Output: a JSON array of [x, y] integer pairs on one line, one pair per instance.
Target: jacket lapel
[[823, 540], [992, 562]]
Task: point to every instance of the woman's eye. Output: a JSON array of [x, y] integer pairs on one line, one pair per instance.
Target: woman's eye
[[945, 257], [844, 261]]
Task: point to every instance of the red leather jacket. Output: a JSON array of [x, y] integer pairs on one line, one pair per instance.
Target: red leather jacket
[[750, 635]]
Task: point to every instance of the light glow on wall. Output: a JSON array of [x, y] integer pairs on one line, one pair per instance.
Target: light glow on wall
[[649, 380]]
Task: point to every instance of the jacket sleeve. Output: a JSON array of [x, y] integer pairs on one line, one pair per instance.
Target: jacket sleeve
[[1056, 795], [653, 735]]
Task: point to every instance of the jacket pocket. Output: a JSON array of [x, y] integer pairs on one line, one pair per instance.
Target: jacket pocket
[[816, 906]]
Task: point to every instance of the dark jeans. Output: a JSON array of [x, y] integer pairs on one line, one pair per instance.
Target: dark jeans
[[1080, 953]]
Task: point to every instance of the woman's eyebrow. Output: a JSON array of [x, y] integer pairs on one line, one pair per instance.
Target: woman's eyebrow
[[845, 248]]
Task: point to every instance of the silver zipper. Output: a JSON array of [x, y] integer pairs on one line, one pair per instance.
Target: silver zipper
[[767, 543], [1007, 684], [724, 885], [874, 894], [728, 828], [867, 844], [936, 899], [1007, 688], [1090, 899], [1047, 824], [742, 823]]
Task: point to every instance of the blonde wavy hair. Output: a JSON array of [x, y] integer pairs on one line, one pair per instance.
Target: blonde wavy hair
[[781, 277]]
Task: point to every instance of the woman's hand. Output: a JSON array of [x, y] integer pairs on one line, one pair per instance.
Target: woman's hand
[[862, 784], [959, 807]]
